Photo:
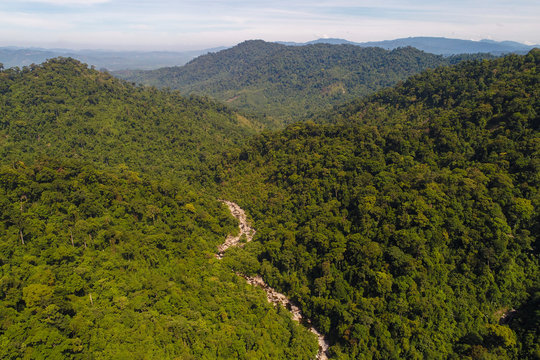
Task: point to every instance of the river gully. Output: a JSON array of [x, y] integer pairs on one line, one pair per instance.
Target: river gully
[[272, 295]]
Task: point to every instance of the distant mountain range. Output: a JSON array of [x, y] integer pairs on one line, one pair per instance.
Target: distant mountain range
[[435, 45], [101, 59], [401, 223], [151, 60]]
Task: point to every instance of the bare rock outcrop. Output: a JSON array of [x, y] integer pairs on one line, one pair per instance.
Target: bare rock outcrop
[[243, 225]]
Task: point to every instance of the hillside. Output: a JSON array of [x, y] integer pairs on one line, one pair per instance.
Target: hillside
[[408, 230], [289, 83], [62, 109], [99, 266], [107, 241], [403, 224]]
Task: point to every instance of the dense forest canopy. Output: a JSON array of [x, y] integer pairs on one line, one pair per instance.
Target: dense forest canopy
[[410, 228], [64, 109], [98, 261], [288, 83], [99, 266], [404, 224]]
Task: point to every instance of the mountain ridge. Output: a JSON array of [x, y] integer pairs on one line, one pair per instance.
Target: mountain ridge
[[283, 83], [110, 122], [404, 224], [19, 56], [435, 45]]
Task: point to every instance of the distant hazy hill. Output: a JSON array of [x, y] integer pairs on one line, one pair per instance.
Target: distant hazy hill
[[333, 41], [149, 60], [110, 60], [436, 45], [286, 83]]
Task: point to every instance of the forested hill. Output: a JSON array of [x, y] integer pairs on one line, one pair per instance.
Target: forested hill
[[288, 83], [104, 253], [100, 266], [405, 225], [63, 109], [409, 229]]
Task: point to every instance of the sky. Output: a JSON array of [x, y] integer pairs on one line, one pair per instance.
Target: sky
[[201, 24]]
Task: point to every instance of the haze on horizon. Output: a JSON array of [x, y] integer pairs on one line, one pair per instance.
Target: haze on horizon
[[188, 25]]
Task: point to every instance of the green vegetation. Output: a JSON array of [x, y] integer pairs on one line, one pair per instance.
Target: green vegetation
[[404, 224], [282, 84], [106, 264], [63, 109], [409, 229], [97, 266]]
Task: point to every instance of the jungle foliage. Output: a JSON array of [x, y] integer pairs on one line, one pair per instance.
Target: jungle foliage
[[404, 224], [96, 260], [409, 228], [282, 84], [63, 109], [100, 266]]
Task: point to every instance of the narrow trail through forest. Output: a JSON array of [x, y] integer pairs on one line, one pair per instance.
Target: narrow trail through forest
[[272, 295]]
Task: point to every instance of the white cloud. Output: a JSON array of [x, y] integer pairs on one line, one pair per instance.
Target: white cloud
[[141, 27], [178, 24], [23, 20], [69, 2]]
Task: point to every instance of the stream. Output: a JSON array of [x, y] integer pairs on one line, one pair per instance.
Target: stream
[[272, 295]]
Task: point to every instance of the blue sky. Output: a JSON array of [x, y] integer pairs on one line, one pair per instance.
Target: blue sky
[[183, 25]]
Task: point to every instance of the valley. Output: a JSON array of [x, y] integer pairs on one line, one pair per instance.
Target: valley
[[386, 202], [281, 84], [272, 295]]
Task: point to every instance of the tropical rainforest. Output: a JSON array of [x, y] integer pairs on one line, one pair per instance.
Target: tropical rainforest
[[407, 228], [404, 224], [106, 249], [63, 108], [281, 84]]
